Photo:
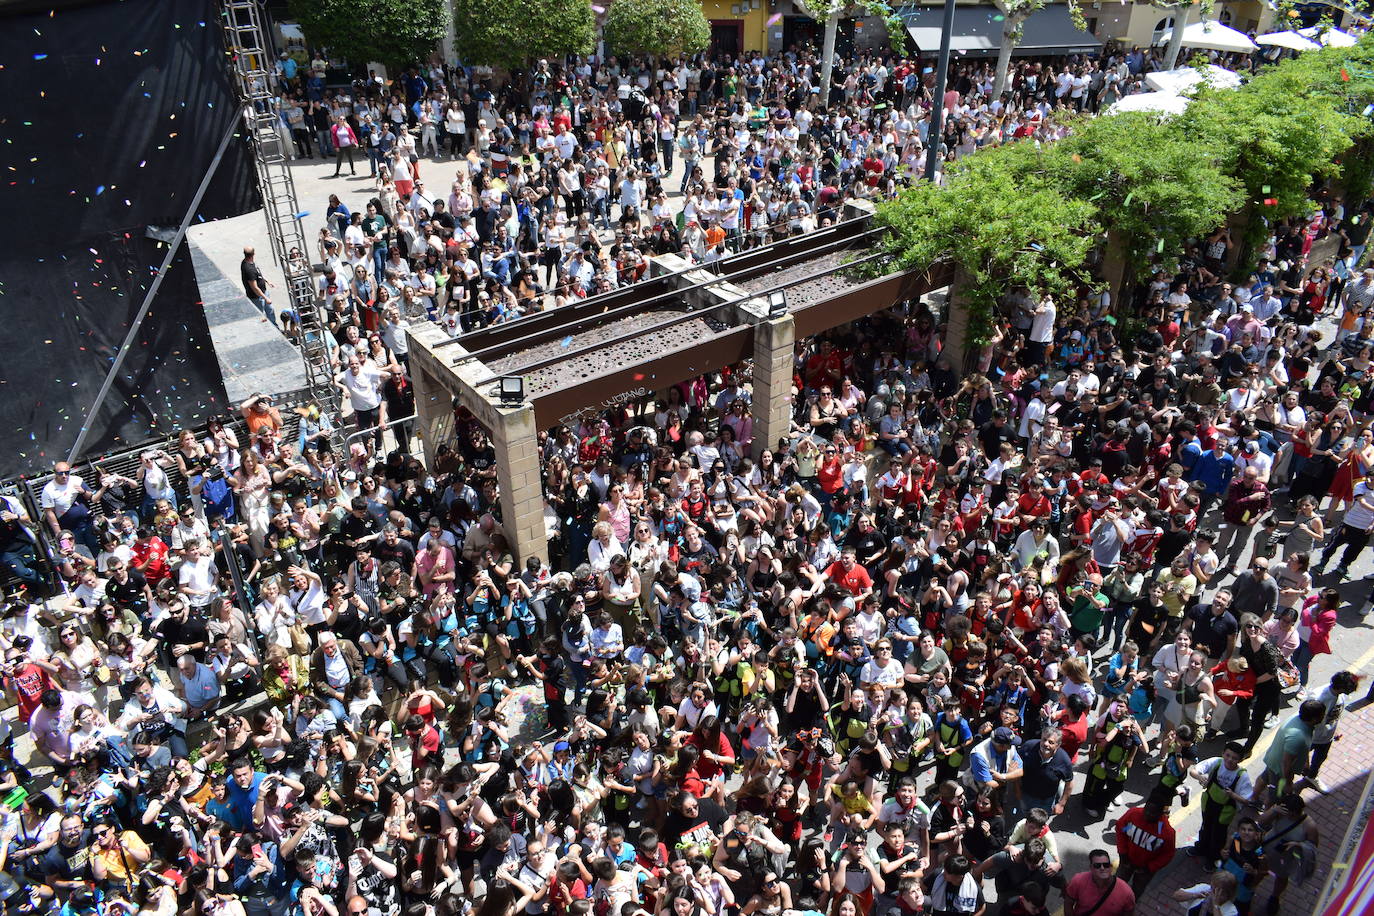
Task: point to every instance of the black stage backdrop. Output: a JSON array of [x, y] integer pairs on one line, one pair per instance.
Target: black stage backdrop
[[113, 112]]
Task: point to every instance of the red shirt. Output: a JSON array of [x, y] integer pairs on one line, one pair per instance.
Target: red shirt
[[1169, 331], [1085, 895], [1075, 733], [151, 558], [708, 768], [855, 581], [824, 369], [29, 681], [831, 475], [1145, 844], [429, 743], [1028, 504]]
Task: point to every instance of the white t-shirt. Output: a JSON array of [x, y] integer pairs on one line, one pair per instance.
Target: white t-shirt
[[691, 714], [199, 575], [364, 387], [1357, 516], [1032, 418], [1042, 324], [59, 498]]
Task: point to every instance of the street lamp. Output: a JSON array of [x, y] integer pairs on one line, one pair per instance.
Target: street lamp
[[937, 110]]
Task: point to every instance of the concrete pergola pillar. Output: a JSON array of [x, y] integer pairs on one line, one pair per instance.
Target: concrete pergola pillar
[[516, 439], [774, 352], [433, 399], [441, 371]]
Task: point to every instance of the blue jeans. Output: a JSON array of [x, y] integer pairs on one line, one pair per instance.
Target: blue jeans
[[1028, 802], [325, 144], [262, 305], [581, 675], [20, 560], [1302, 660], [601, 211]]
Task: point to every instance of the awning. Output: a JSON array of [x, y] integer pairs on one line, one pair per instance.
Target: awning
[[1211, 36], [1290, 40], [1164, 103], [978, 31], [1184, 79]]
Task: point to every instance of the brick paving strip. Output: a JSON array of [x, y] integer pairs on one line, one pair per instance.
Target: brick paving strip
[[1347, 772]]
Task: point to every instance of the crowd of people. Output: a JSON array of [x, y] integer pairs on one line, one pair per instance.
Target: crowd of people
[[498, 200], [862, 671]]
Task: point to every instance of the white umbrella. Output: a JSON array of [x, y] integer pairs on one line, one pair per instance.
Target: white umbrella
[[1212, 36], [1186, 78], [1291, 40], [1332, 38], [1335, 38], [1158, 102]]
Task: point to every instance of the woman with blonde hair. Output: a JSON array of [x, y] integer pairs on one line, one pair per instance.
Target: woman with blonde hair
[[252, 483], [603, 547]]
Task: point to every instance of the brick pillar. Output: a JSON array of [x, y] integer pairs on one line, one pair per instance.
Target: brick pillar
[[515, 439], [774, 347], [433, 411]]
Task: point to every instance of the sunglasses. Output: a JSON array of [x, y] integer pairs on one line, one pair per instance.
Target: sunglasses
[[1104, 866]]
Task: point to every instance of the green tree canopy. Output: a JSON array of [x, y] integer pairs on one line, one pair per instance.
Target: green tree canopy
[[999, 222], [391, 32], [662, 28], [1152, 186], [1027, 214], [505, 34]]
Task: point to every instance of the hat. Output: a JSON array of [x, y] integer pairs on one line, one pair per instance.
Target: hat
[[1251, 448], [1035, 385], [561, 746], [1004, 735], [349, 476]]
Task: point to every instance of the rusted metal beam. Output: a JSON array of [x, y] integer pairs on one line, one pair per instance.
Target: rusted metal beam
[[669, 368], [552, 330], [867, 298], [676, 320]]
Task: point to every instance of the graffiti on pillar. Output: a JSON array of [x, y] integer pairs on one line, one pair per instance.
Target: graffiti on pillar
[[634, 394]]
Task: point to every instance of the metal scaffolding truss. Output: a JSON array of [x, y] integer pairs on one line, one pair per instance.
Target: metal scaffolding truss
[[252, 64]]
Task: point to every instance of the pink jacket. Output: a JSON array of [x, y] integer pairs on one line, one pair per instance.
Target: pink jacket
[[340, 131]]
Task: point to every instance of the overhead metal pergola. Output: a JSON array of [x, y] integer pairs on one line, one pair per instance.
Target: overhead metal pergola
[[690, 321]]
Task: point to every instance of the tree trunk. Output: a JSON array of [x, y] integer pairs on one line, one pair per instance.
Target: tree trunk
[[1242, 245], [1176, 39], [832, 24], [1115, 268], [956, 316], [1011, 35]]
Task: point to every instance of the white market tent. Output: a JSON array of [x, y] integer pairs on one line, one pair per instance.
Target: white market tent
[[1166, 103], [1184, 79], [1289, 39], [1331, 38], [1335, 38], [1211, 36]]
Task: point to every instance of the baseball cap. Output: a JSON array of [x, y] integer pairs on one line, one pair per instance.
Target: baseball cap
[[1004, 735]]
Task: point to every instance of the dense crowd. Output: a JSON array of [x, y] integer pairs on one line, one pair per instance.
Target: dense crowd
[[495, 200], [856, 672]]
